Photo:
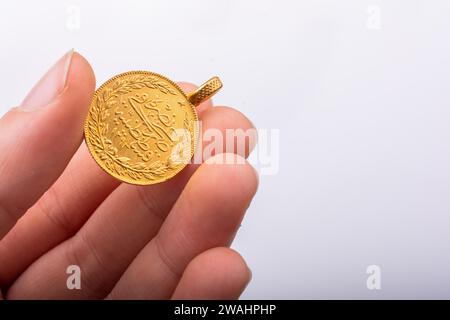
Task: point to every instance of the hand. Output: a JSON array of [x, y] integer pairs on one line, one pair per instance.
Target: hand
[[58, 208]]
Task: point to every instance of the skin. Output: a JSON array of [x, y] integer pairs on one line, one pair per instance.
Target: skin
[[58, 208]]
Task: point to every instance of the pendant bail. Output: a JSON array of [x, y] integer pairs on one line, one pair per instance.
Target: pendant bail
[[205, 91]]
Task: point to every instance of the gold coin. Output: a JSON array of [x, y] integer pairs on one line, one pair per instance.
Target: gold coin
[[142, 128]]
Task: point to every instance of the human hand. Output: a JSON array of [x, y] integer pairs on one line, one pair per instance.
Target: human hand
[[58, 208]]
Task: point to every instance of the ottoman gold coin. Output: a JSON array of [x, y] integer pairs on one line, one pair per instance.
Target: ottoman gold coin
[[142, 128]]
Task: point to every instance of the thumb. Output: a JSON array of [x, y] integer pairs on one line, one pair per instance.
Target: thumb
[[38, 138]]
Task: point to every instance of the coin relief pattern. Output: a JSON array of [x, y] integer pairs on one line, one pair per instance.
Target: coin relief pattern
[[141, 128]]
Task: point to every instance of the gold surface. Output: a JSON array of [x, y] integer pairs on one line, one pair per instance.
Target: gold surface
[[205, 91], [142, 128]]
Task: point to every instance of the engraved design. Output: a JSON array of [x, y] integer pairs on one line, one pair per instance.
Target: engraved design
[[141, 128], [205, 91]]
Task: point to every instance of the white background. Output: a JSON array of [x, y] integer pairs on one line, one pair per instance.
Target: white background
[[362, 102]]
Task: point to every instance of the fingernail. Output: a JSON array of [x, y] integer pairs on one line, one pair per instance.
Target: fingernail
[[250, 273], [49, 86]]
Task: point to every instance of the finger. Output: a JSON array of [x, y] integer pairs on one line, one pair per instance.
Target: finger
[[188, 88], [119, 228], [58, 214], [61, 211], [218, 273], [206, 215], [39, 137]]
